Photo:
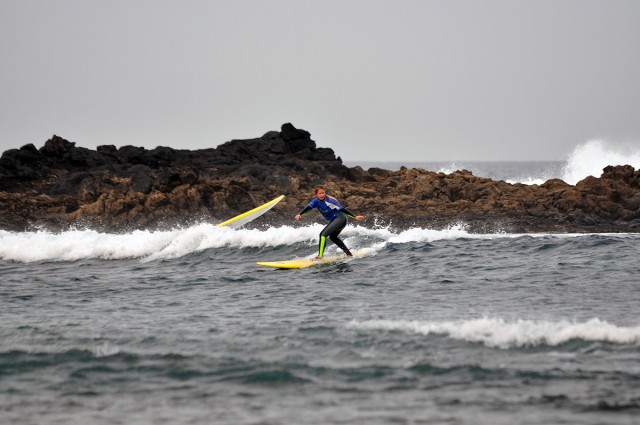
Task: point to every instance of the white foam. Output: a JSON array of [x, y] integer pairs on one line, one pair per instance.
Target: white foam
[[78, 244], [105, 350], [418, 234], [528, 180], [85, 244], [500, 333], [145, 245], [202, 237], [153, 245], [449, 169], [590, 158]]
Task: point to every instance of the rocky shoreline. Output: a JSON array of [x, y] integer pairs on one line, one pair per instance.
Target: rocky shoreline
[[61, 186]]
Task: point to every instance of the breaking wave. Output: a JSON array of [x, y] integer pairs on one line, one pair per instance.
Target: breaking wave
[[500, 333], [590, 158], [147, 245]]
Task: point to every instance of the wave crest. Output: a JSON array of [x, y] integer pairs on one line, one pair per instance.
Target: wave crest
[[500, 333], [26, 247], [146, 245]]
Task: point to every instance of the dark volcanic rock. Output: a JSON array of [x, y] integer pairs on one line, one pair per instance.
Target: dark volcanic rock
[[111, 189]]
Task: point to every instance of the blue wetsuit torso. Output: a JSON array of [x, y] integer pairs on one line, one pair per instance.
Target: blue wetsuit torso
[[329, 208]]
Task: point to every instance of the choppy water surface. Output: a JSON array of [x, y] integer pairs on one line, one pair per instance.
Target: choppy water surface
[[426, 327]]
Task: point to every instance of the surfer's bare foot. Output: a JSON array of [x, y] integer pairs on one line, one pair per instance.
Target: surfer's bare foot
[[349, 254]]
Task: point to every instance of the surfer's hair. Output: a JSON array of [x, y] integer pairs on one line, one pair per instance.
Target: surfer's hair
[[320, 187]]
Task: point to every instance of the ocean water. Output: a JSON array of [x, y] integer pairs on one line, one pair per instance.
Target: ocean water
[[427, 326]]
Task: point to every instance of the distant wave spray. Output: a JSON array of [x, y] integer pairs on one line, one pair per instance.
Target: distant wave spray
[[590, 158], [587, 159]]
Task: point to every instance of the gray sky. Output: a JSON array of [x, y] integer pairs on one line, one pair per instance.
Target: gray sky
[[374, 80]]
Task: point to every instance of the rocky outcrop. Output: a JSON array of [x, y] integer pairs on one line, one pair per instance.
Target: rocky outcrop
[[118, 189]]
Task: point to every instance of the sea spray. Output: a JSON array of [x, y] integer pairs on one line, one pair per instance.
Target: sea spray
[[586, 159], [590, 158]]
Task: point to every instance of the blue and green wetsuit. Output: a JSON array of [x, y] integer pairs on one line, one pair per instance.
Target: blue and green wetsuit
[[337, 215]]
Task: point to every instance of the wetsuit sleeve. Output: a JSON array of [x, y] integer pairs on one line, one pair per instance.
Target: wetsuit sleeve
[[348, 213], [313, 204], [305, 210]]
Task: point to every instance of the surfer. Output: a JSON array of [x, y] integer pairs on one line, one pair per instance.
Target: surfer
[[337, 215]]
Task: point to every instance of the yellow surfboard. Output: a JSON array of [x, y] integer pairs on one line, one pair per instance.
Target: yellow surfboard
[[302, 263], [244, 218]]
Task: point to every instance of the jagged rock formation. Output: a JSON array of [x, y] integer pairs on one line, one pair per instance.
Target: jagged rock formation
[[60, 186]]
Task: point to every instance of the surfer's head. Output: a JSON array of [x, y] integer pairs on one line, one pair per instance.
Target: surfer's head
[[320, 192]]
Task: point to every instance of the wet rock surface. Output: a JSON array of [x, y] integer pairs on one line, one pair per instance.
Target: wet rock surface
[[61, 186]]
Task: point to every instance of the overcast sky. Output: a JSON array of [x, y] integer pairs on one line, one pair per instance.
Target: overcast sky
[[388, 80]]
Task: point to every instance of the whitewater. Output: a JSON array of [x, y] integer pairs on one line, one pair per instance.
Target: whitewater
[[426, 326]]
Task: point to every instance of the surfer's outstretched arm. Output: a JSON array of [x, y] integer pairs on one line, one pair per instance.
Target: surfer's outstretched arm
[[304, 211], [351, 215]]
